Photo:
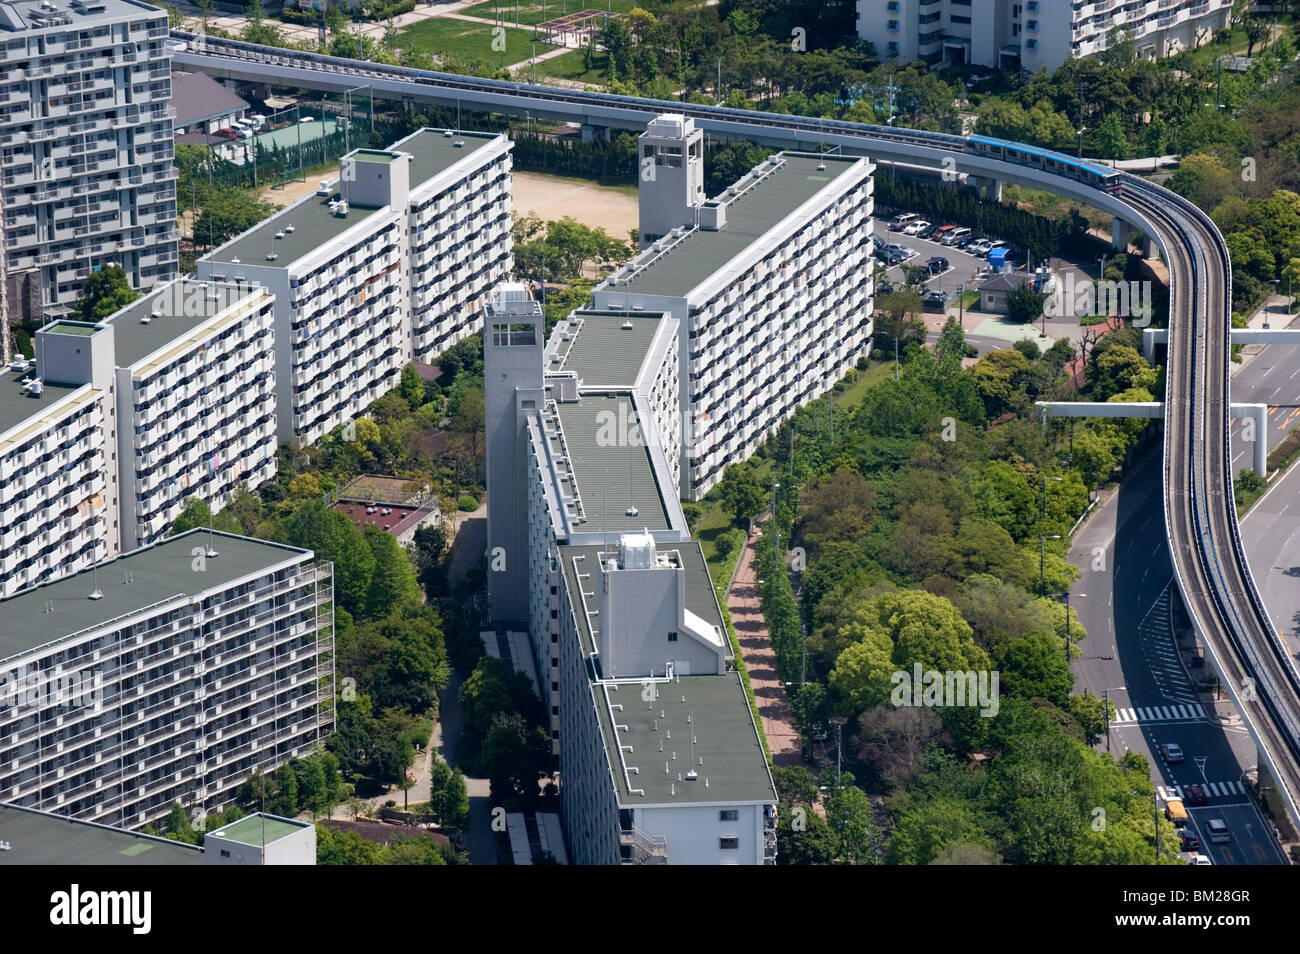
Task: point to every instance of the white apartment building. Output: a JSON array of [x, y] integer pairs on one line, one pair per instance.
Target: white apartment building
[[168, 674], [86, 147], [54, 496], [356, 296], [195, 401], [165, 399], [459, 231], [618, 600], [1032, 34], [770, 284]]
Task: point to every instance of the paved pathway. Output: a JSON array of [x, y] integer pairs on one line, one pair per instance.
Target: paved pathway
[[756, 648]]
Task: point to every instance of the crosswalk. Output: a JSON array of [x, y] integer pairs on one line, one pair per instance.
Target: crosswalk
[[1212, 789], [1144, 714]]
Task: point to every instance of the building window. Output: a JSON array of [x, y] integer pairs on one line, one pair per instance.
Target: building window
[[1031, 44], [892, 6], [1032, 26], [892, 48], [893, 26], [954, 18], [730, 841], [224, 853], [1032, 6], [672, 637], [729, 814]]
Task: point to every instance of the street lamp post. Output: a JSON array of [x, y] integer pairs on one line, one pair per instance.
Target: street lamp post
[[961, 305]]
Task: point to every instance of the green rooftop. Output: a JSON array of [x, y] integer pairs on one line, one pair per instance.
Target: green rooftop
[[172, 312], [599, 349], [728, 756], [433, 152], [259, 829], [373, 155], [42, 838], [700, 598], [611, 464], [18, 405], [158, 573], [70, 328], [750, 215]]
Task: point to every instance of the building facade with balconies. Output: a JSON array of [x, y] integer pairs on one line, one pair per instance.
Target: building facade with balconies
[[771, 289], [1032, 34], [169, 674], [195, 401], [340, 265], [587, 541], [86, 148], [459, 233], [54, 496], [116, 423]]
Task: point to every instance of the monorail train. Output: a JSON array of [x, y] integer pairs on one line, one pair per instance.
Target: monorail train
[[1091, 173]]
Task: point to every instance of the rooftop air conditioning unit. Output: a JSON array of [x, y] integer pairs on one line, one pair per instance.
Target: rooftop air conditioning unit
[[289, 229], [638, 307], [271, 256], [459, 143], [446, 134], [627, 324], [280, 234]]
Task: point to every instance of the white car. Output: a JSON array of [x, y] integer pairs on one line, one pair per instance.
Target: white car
[[917, 228], [308, 119], [978, 247], [1199, 859]]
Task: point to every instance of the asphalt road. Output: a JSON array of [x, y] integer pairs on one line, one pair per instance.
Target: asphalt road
[[1123, 598]]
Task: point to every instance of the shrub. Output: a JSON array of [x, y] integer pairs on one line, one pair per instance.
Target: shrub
[[467, 503]]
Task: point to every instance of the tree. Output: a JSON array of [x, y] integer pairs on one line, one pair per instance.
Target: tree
[[1024, 304], [227, 213], [401, 660], [332, 536], [335, 847], [803, 837], [412, 387], [848, 812], [516, 756], [926, 831], [449, 798], [197, 513], [104, 292], [741, 492], [392, 582]]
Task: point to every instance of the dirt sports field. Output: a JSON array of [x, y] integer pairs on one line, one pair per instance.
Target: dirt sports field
[[549, 197], [595, 206]]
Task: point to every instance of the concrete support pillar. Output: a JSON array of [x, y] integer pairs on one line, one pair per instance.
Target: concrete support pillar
[[989, 189], [1255, 431], [590, 132], [1151, 337], [1119, 233]]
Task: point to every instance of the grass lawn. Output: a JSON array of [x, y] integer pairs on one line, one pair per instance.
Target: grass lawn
[[470, 41], [573, 66], [531, 13]]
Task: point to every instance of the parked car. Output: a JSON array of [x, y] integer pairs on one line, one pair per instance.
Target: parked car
[[918, 228], [1190, 841], [901, 221], [226, 133], [935, 300], [308, 119], [1194, 794], [979, 247], [937, 235], [937, 265], [966, 241], [955, 236]]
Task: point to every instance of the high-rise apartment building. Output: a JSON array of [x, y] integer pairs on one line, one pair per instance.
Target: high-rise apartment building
[[770, 285], [168, 674], [86, 148], [117, 423], [387, 267], [1032, 34]]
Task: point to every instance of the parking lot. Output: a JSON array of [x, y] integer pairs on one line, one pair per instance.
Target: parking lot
[[986, 331]]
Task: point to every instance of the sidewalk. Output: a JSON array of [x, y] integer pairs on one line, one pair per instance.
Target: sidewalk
[[756, 648], [1272, 313]]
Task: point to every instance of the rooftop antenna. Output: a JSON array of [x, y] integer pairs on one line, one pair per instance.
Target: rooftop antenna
[[691, 774], [631, 506], [96, 593]]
